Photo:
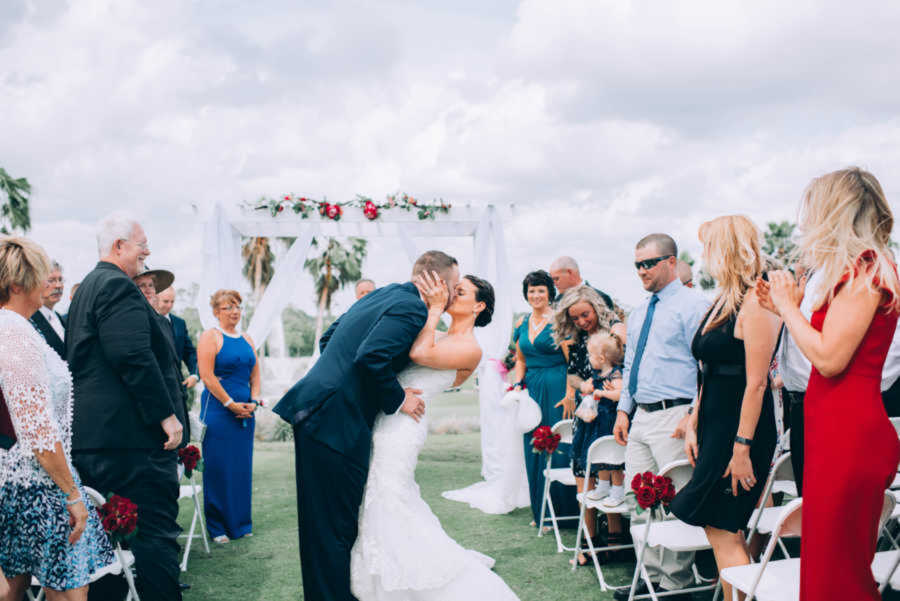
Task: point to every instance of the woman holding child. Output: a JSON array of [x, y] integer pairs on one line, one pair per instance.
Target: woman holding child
[[594, 370]]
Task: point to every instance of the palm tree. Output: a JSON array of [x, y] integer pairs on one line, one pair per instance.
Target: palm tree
[[259, 264], [14, 213], [332, 268]]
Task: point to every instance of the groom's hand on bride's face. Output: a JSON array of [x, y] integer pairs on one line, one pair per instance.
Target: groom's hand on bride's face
[[413, 405]]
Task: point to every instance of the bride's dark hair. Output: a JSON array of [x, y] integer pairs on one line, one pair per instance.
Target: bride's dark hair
[[484, 293]]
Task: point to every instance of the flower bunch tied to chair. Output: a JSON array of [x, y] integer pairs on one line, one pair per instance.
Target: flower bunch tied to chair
[[119, 516], [544, 440], [651, 491], [190, 458]]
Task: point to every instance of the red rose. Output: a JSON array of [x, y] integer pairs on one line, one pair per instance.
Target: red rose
[[647, 478], [669, 494], [370, 210], [287, 197], [646, 497], [302, 199], [661, 484], [333, 211], [636, 483]]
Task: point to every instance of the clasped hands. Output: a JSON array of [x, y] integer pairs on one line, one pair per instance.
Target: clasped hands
[[780, 292]]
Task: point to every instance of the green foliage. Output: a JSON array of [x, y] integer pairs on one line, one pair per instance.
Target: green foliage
[[14, 212], [300, 332], [686, 257], [335, 266], [778, 241]]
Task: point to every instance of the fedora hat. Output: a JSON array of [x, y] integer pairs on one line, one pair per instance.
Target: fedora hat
[[162, 278]]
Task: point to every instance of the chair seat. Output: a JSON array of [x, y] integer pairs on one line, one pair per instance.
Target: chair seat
[[599, 506], [186, 491], [114, 568], [768, 520], [788, 487], [563, 475], [780, 581], [672, 534], [883, 562]]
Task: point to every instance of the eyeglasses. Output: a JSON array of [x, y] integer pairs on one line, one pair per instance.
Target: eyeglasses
[[231, 308], [651, 263], [144, 246]]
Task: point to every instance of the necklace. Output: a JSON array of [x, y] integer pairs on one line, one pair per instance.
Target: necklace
[[535, 326]]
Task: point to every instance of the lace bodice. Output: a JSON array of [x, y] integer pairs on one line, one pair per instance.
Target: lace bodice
[[37, 386]]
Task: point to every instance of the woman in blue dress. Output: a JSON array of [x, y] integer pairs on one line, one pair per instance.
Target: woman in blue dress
[[230, 373], [541, 369]]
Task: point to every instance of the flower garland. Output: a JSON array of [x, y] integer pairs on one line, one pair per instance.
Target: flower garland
[[305, 207]]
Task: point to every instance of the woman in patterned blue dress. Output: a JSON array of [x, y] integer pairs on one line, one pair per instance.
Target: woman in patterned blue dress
[[230, 373], [541, 367], [46, 528]]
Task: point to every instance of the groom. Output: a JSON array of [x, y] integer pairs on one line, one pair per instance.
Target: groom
[[333, 409]]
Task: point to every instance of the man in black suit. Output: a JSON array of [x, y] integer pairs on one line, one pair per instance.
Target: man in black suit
[[184, 346], [333, 409], [48, 322], [127, 414]]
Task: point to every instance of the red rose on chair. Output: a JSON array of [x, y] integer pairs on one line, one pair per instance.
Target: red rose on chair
[[646, 497], [647, 478], [119, 518], [636, 482], [189, 457], [669, 494], [661, 484], [543, 440]]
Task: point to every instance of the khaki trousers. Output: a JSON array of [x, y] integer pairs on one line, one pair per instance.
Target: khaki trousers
[[650, 447]]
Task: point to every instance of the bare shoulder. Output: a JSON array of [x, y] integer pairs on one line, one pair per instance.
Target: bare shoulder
[[520, 321], [211, 336]]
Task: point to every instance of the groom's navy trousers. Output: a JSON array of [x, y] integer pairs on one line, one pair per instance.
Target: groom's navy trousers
[[333, 409]]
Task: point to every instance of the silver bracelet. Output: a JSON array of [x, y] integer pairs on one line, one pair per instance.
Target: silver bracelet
[[75, 501], [230, 401]]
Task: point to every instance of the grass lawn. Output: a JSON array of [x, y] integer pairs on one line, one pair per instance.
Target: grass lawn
[[267, 565]]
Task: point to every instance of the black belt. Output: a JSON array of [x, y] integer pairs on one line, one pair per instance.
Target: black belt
[[664, 404], [796, 398], [723, 369]]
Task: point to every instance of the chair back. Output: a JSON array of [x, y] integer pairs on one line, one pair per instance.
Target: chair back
[[95, 497], [787, 512], [886, 509], [785, 443], [679, 471], [895, 421], [606, 450], [783, 469], [564, 428]]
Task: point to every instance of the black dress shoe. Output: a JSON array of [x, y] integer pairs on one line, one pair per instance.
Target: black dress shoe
[[184, 586], [640, 589]]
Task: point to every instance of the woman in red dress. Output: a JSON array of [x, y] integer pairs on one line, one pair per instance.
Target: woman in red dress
[[851, 448]]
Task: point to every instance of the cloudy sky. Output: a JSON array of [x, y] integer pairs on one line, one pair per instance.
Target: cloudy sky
[[602, 120]]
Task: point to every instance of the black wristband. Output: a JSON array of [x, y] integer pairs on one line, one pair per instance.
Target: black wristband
[[742, 440]]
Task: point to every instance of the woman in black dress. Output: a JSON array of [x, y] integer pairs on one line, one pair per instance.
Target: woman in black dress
[[731, 435]]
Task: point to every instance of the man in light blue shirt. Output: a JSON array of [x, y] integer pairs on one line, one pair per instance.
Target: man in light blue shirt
[[659, 383]]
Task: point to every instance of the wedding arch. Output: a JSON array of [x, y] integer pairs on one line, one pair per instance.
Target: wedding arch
[[400, 218]]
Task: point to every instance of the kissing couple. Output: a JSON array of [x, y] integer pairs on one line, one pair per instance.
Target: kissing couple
[[359, 425]]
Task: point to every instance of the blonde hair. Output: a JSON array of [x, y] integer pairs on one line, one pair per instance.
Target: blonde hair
[[843, 214], [220, 295], [23, 263], [609, 345], [731, 247], [563, 326]]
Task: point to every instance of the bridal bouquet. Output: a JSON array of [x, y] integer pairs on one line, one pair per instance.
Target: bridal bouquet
[[544, 440], [190, 458], [651, 491], [119, 518]]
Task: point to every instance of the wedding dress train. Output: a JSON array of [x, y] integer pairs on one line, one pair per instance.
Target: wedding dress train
[[402, 553]]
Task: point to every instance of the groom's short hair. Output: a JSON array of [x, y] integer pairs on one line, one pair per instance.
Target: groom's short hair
[[433, 260]]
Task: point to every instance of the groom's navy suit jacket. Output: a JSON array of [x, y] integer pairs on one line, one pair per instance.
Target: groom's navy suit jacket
[[356, 376]]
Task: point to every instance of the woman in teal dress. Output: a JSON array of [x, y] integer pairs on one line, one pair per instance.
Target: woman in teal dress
[[541, 367]]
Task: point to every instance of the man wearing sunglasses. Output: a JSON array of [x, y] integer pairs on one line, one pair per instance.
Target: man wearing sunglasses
[[659, 384]]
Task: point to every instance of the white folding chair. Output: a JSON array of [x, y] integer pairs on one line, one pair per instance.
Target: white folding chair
[[192, 491], [602, 450], [123, 563], [672, 534], [780, 580], [564, 476], [763, 519]]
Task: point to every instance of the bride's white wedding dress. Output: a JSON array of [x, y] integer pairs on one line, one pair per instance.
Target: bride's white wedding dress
[[402, 553]]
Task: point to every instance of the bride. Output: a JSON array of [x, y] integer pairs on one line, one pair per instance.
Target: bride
[[402, 553]]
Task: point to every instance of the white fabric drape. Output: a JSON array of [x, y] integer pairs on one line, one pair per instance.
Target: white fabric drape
[[505, 485], [409, 245], [221, 261], [280, 290]]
